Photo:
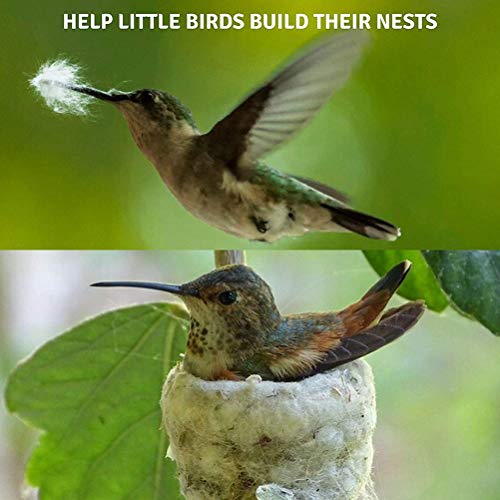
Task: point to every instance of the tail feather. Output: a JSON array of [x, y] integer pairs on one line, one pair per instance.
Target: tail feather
[[364, 327], [363, 224], [394, 323], [392, 280], [362, 314]]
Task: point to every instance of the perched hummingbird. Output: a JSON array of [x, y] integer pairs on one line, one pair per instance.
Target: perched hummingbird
[[237, 330], [219, 176]]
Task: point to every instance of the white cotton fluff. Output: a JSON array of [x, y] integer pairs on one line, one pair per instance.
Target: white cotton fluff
[[307, 440], [52, 82]]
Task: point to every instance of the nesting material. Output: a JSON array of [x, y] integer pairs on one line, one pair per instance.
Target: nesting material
[[54, 81], [307, 440]]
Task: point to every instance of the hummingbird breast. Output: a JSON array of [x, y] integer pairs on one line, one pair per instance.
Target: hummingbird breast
[[213, 348], [208, 189], [209, 347]]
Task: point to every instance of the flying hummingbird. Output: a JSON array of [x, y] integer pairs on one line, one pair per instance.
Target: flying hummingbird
[[237, 330], [219, 176]]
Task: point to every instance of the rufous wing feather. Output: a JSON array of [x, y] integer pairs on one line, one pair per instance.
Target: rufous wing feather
[[355, 331], [392, 325]]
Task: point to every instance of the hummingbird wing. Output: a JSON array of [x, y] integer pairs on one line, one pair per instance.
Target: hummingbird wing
[[323, 188], [339, 348], [394, 323], [282, 106], [334, 339]]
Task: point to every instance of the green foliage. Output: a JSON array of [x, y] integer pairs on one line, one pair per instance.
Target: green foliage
[[471, 281], [468, 279], [95, 392], [420, 282]]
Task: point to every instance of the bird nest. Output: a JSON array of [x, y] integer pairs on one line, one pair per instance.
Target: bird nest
[[307, 440]]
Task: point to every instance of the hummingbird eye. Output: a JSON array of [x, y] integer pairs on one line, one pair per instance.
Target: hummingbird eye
[[145, 96], [227, 298]]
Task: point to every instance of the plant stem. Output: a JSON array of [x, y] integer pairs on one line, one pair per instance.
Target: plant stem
[[226, 257]]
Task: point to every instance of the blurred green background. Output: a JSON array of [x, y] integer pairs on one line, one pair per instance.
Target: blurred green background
[[437, 436], [413, 137]]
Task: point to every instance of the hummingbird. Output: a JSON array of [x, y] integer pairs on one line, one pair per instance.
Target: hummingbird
[[220, 176], [237, 330]]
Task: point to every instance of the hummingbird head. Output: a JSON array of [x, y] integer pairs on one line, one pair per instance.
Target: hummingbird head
[[152, 116], [232, 312], [232, 298], [156, 107], [158, 121], [149, 104]]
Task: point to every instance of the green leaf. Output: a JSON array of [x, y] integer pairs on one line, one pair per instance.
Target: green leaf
[[420, 282], [471, 279], [95, 391]]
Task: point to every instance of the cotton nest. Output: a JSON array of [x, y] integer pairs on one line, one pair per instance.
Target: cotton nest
[[307, 440]]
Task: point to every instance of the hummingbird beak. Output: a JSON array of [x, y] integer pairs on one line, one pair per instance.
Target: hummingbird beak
[[112, 96], [175, 289]]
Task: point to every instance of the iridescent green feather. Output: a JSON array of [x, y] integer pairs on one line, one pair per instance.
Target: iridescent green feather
[[280, 186]]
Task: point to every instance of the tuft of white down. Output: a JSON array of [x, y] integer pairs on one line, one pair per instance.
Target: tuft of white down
[[53, 82]]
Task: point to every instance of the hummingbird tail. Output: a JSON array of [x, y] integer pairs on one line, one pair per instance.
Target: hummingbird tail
[[392, 280], [364, 313], [363, 224], [359, 329], [394, 323]]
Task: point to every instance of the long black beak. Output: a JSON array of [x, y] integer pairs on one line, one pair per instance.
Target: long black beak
[[175, 289], [115, 96]]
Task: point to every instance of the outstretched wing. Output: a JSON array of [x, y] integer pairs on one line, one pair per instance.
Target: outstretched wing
[[285, 104]]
